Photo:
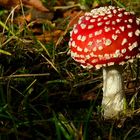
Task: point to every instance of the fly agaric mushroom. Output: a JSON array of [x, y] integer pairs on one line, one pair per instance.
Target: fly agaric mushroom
[[107, 37]]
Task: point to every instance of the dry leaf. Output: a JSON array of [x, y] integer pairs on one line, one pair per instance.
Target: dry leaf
[[37, 4], [9, 3], [74, 16], [49, 36]]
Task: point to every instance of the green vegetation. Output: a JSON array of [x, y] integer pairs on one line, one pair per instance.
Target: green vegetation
[[45, 95]]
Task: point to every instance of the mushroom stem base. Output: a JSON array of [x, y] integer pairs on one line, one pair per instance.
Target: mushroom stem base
[[113, 92]]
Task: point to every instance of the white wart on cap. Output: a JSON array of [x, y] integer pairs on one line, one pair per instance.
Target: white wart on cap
[[105, 36]]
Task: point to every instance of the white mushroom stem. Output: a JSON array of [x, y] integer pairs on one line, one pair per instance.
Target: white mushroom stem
[[113, 92]]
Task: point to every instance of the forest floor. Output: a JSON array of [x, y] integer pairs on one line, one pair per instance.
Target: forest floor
[[44, 93]]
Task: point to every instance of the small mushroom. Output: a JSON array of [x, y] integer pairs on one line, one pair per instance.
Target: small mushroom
[[106, 38]]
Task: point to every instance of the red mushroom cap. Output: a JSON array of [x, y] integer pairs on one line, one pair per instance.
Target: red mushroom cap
[[105, 36]]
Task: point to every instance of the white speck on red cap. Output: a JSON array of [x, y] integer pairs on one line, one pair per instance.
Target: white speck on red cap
[[124, 41], [99, 19], [90, 35], [79, 49], [130, 20], [114, 37], [94, 49], [126, 13], [100, 47], [117, 31], [90, 26], [92, 20], [107, 56], [83, 38], [107, 42], [107, 29], [111, 63], [79, 37], [107, 22], [138, 21], [118, 20], [129, 26], [75, 31], [98, 32], [73, 43], [110, 16], [100, 23], [105, 18], [134, 45], [83, 26], [105, 36], [92, 54], [121, 63], [87, 18], [115, 11], [122, 28], [98, 66], [137, 32], [113, 22], [90, 43], [123, 50], [127, 57], [85, 50], [98, 41], [120, 15], [130, 34]]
